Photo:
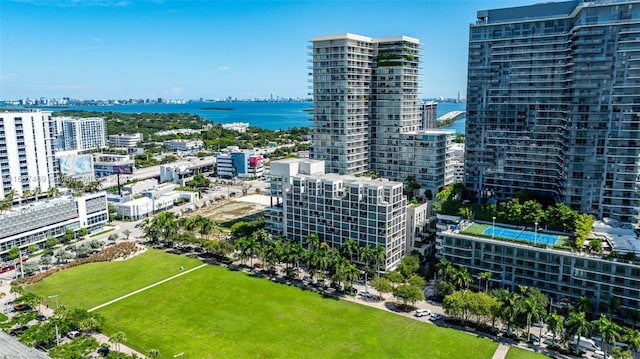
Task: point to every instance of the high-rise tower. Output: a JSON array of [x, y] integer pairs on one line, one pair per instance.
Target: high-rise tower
[[365, 93], [26, 152], [553, 104]]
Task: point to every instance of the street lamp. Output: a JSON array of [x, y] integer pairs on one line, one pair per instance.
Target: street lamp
[[535, 238], [366, 290], [181, 355], [493, 233], [56, 324]]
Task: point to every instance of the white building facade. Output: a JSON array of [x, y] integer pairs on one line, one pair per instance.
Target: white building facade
[[123, 140], [27, 149], [82, 134], [306, 200]]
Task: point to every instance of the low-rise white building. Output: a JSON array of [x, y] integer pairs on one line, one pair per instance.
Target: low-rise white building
[[180, 172], [236, 126], [35, 222], [183, 145], [159, 199], [123, 140], [140, 187]]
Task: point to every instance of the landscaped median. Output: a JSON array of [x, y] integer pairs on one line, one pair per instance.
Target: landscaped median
[[218, 312]]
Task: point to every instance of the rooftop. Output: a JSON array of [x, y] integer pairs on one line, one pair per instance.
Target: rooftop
[[12, 348]]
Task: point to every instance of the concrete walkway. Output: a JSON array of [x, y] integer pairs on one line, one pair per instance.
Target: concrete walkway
[[145, 288], [501, 351]]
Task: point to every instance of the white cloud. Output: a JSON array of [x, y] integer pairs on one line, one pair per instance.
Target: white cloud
[[223, 68]]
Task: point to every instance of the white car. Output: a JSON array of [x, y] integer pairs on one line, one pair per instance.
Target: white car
[[73, 334], [599, 354], [422, 313], [436, 316]]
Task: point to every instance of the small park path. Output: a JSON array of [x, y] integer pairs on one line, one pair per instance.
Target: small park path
[[501, 351], [145, 288]]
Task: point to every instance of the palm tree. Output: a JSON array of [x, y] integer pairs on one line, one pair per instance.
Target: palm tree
[[555, 323], [632, 338], [313, 241], [445, 269], [486, 276], [10, 194], [37, 192], [26, 194], [206, 227], [532, 311], [380, 255], [613, 305], [578, 326], [609, 331], [584, 305], [509, 308], [118, 338], [349, 247], [53, 192], [462, 278], [366, 254], [262, 235]]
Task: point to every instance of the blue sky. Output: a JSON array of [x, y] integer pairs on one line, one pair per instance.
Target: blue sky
[[212, 49]]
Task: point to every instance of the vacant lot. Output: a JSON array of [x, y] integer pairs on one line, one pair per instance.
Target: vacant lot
[[215, 312]]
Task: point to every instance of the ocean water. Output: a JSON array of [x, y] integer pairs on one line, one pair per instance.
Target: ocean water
[[266, 115]]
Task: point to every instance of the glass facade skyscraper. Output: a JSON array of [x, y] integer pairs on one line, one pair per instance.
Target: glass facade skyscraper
[[553, 105]]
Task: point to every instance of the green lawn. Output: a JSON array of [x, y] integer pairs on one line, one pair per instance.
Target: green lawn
[[91, 284], [215, 312], [519, 353], [476, 228]]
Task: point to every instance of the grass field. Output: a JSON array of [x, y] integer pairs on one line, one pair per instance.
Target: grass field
[[519, 353], [96, 283], [215, 312]]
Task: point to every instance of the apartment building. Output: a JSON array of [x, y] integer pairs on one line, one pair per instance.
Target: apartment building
[[562, 274], [123, 140], [367, 115], [27, 148], [35, 222], [553, 100], [82, 134], [307, 200]]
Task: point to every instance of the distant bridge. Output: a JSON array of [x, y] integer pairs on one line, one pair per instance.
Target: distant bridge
[[452, 116]]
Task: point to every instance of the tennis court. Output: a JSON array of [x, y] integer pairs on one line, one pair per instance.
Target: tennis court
[[521, 235]]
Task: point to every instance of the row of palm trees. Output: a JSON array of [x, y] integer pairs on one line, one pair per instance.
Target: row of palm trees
[[577, 324], [12, 194], [317, 257]]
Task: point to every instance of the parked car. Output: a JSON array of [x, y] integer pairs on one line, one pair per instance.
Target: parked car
[[422, 313], [41, 318], [73, 334], [366, 294], [104, 351], [436, 316]]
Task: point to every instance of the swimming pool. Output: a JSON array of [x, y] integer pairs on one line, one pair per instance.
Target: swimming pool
[[522, 235]]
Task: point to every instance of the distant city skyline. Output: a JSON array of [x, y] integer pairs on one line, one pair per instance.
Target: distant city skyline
[[113, 49]]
